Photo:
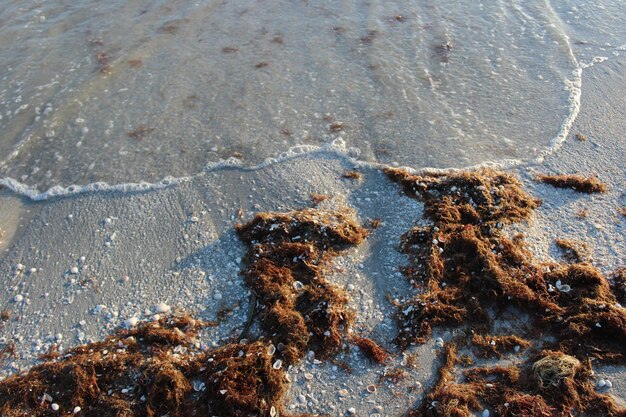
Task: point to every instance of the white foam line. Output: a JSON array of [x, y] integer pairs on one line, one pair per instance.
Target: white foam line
[[337, 147], [594, 61], [59, 191]]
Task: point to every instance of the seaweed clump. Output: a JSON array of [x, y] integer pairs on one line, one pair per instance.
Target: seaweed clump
[[467, 270], [573, 250], [463, 261], [160, 368], [550, 384], [299, 310], [371, 349], [151, 370], [579, 183], [464, 264], [352, 175]]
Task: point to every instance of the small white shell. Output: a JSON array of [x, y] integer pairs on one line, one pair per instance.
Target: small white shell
[[565, 288], [198, 386], [278, 364]]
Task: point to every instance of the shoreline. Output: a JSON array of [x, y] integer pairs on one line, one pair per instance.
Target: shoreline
[[117, 235]]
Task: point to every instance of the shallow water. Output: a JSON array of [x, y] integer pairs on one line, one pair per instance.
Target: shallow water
[[135, 91]]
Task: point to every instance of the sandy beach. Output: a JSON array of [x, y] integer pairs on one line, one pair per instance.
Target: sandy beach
[[76, 268]]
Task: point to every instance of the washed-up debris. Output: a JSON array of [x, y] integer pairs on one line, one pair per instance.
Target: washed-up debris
[[579, 183], [467, 268], [159, 367]]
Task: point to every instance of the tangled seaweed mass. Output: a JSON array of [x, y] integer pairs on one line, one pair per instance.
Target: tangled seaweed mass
[[152, 370], [299, 309], [159, 368], [466, 272]]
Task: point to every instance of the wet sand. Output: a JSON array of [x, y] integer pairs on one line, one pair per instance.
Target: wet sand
[[92, 261]]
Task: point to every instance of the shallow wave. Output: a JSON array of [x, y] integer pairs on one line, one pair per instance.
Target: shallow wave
[[337, 147], [139, 94]]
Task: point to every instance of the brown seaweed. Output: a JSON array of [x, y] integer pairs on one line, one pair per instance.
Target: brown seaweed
[[135, 62], [140, 132], [352, 175], [103, 62], [299, 308], [371, 349], [159, 368], [152, 370], [466, 268], [496, 346], [317, 199], [462, 262], [550, 384], [574, 251], [578, 183], [335, 127]]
